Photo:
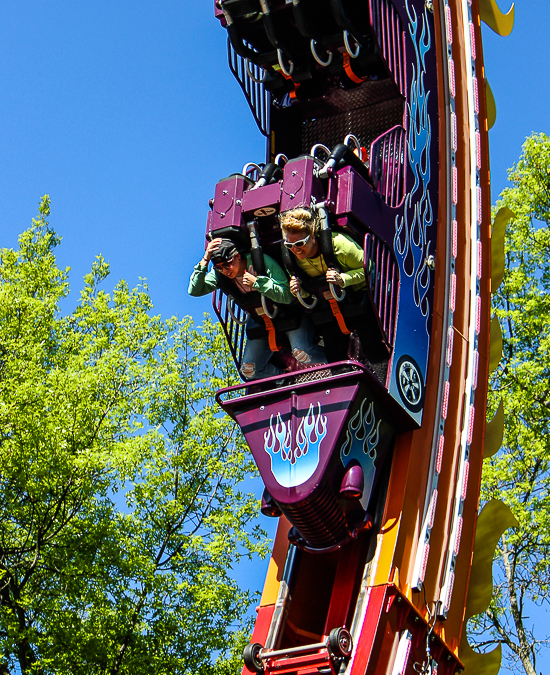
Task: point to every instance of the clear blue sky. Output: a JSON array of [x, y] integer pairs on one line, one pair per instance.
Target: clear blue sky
[[127, 115]]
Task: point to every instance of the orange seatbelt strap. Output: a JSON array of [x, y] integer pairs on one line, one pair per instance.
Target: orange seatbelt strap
[[271, 337], [291, 93], [349, 72], [337, 313]]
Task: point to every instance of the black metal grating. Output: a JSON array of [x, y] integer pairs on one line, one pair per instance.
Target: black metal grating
[[234, 333], [367, 123], [318, 519], [257, 96]]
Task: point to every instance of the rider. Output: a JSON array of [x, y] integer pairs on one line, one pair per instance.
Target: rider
[[237, 269], [300, 228]]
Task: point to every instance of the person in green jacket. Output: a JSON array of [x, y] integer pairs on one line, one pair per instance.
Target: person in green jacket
[[237, 269], [300, 229]]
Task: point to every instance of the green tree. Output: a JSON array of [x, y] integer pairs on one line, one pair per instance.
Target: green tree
[[520, 473], [120, 511]]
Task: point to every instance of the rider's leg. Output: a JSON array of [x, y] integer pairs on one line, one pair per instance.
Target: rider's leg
[[302, 342], [256, 362]]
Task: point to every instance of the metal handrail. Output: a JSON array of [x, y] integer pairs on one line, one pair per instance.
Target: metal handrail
[[249, 167], [290, 70], [301, 300], [267, 312], [337, 297], [251, 74], [316, 56], [230, 303], [355, 54]]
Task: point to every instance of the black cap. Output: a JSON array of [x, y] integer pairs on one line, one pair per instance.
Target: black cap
[[225, 251]]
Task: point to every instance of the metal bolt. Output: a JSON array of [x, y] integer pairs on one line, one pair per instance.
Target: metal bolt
[[431, 262], [430, 6]]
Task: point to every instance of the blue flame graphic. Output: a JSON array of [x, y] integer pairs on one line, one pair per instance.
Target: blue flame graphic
[[410, 240], [362, 437], [293, 467]]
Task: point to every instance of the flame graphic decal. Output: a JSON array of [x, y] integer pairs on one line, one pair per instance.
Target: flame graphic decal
[[292, 467], [410, 242], [362, 437]]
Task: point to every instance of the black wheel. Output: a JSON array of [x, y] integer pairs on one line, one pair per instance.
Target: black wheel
[[251, 657], [340, 642], [410, 383]]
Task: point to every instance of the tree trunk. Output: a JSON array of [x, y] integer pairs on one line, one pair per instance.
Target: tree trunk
[[24, 651], [524, 650]]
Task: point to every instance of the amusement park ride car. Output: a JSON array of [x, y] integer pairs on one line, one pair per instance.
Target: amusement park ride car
[[376, 118]]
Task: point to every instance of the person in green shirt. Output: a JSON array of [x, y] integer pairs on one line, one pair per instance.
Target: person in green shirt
[[300, 229], [234, 274]]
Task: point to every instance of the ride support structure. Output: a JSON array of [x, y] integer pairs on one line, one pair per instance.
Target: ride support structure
[[375, 118]]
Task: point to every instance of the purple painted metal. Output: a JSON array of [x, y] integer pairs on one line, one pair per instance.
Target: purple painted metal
[[275, 430], [353, 482], [268, 196], [383, 289], [357, 199], [227, 207], [218, 13], [387, 157], [388, 29], [269, 507], [294, 430], [300, 184]]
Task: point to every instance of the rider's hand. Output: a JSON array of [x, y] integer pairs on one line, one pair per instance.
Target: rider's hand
[[212, 246], [248, 278], [334, 277], [295, 286]]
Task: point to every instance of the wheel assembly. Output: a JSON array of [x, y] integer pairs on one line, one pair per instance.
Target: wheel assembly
[[251, 657], [340, 642]]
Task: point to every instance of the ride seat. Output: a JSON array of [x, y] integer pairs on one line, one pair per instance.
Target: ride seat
[[360, 309]]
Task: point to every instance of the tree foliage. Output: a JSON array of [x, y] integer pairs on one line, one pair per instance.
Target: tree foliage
[[120, 513], [520, 473]]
